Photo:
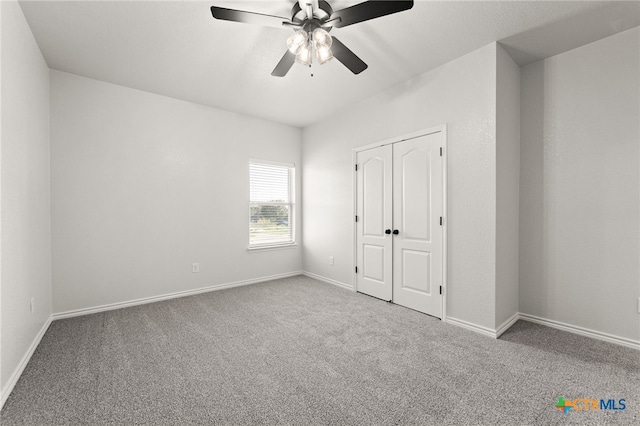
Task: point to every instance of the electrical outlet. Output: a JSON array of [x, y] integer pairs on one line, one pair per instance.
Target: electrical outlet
[[331, 260], [195, 268], [32, 304]]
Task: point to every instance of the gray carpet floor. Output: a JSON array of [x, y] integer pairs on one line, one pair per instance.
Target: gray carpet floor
[[298, 351]]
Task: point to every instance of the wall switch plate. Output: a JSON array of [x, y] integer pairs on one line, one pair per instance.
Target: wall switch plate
[[32, 304], [330, 260], [195, 267]]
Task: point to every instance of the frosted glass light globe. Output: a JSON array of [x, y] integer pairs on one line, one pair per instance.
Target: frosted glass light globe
[[323, 54], [321, 38], [304, 54], [296, 41]]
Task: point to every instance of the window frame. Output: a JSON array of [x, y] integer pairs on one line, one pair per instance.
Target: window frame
[[291, 204]]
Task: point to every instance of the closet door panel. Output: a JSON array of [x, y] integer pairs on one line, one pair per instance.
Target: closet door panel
[[417, 207], [374, 210]]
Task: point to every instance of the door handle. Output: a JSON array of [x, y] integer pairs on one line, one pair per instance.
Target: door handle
[[396, 232], [388, 231]]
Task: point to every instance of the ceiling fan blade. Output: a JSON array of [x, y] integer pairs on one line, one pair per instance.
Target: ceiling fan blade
[[284, 65], [368, 10], [347, 57], [248, 17]]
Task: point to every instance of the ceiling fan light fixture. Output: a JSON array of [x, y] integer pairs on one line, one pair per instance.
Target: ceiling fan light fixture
[[304, 55], [297, 41]]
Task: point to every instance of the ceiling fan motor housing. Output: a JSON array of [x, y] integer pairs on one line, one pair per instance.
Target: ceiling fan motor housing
[[317, 18]]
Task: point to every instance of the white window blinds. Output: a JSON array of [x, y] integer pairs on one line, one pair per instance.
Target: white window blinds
[[271, 205]]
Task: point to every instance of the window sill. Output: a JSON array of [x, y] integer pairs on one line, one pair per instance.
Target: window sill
[[275, 247]]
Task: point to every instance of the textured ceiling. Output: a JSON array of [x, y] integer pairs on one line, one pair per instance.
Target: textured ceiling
[[177, 49]]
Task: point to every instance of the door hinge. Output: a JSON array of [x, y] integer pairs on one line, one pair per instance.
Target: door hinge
[[440, 220], [356, 269], [440, 151], [356, 218], [356, 167], [440, 289]]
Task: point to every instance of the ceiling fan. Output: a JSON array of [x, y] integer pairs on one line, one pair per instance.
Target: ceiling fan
[[311, 21]]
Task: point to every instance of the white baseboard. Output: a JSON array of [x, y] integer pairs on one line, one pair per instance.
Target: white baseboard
[[508, 323], [145, 300], [623, 341], [6, 391], [486, 331], [328, 280]]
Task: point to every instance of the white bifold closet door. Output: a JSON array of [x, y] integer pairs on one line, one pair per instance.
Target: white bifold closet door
[[399, 233]]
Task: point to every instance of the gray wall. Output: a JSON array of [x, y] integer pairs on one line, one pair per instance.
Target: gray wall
[[579, 194], [507, 185], [25, 195], [461, 94], [143, 185]]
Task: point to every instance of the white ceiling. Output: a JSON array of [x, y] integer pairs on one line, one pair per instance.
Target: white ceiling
[[177, 49]]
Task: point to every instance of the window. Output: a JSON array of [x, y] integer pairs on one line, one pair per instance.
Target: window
[[271, 204]]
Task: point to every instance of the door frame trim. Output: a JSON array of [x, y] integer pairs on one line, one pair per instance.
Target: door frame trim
[[354, 155]]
